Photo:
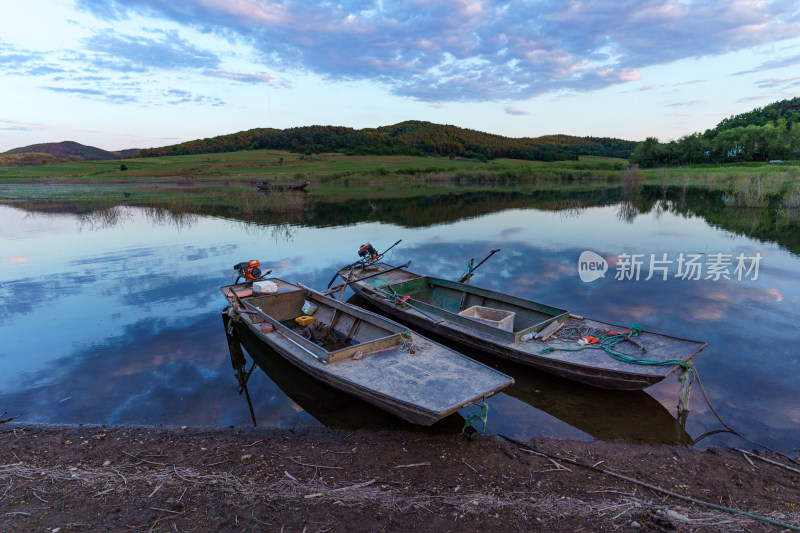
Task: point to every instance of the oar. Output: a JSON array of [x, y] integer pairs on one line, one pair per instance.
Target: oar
[[388, 295], [386, 251], [466, 277], [238, 362], [247, 394]]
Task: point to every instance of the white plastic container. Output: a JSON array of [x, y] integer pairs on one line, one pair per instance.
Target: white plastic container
[[265, 287], [498, 318]]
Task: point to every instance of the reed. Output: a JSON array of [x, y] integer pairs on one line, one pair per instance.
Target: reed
[[744, 192]]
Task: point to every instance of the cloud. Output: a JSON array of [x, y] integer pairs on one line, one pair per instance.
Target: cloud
[[138, 54], [178, 96], [10, 125], [746, 99], [686, 103], [121, 97], [44, 70], [252, 77], [75, 90], [463, 50], [514, 111], [792, 61], [15, 60], [778, 82]]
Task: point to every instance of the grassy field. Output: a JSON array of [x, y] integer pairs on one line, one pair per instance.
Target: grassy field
[[229, 179]]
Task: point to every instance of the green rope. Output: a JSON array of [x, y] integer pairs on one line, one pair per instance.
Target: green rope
[[469, 270], [477, 417], [389, 292], [609, 342]]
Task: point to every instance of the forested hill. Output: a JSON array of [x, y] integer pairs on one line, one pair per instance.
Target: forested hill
[[788, 110], [764, 134], [405, 138]]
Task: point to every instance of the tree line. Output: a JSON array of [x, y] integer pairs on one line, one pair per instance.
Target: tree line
[[763, 134], [406, 138]]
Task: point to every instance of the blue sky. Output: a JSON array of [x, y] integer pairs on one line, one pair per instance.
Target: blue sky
[[141, 73]]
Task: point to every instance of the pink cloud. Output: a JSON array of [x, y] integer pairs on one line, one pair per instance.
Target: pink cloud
[[514, 111]]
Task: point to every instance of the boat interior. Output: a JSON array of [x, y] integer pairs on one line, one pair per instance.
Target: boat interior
[[498, 314], [334, 331]]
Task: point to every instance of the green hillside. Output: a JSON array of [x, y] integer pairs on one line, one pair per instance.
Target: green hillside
[[67, 150], [413, 137]]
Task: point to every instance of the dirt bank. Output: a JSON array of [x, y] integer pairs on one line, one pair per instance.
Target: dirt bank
[[158, 479]]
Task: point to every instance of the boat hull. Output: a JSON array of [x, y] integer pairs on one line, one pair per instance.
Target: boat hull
[[596, 369]]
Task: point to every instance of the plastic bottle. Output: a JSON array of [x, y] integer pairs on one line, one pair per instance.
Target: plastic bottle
[[525, 338]]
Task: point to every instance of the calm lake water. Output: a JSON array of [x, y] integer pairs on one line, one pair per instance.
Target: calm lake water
[[114, 317]]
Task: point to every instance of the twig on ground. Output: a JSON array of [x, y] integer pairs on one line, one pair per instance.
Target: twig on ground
[[166, 510], [155, 490], [142, 460], [470, 467], [124, 481], [426, 463], [316, 466], [770, 461]]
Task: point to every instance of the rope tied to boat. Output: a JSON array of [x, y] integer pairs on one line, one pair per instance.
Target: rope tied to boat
[[477, 417], [408, 343], [469, 270], [233, 315]]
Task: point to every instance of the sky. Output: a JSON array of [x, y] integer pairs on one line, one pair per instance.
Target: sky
[[122, 74]]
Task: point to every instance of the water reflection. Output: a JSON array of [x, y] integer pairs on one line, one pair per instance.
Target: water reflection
[[117, 319], [279, 214]]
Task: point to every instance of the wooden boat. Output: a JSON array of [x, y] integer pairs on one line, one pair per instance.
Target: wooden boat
[[325, 404], [499, 324], [364, 354], [267, 186]]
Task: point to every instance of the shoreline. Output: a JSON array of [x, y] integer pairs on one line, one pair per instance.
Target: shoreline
[[314, 479]]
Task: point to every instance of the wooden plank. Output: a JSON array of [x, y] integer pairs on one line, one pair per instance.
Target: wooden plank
[[547, 332]]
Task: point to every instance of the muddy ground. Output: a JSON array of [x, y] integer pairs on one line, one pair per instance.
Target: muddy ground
[[64, 479]]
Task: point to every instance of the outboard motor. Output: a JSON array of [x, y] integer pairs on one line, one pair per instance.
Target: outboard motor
[[368, 252], [248, 270]]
